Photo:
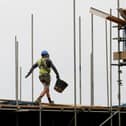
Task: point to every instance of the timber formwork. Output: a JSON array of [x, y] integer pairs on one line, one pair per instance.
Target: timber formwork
[[26, 113]]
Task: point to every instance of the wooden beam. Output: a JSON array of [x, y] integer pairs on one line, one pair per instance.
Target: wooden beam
[[122, 13], [116, 20], [98, 12], [107, 16]]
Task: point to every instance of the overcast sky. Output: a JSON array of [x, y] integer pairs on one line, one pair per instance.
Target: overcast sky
[[53, 31]]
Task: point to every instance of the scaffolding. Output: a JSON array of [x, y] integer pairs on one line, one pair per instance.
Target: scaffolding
[[120, 55]]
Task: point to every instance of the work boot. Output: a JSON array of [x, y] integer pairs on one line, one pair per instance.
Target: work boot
[[38, 100], [51, 102]]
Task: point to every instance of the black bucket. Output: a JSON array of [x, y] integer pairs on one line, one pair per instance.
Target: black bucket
[[60, 85]]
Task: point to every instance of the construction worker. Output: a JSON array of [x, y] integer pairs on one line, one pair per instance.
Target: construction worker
[[44, 64]]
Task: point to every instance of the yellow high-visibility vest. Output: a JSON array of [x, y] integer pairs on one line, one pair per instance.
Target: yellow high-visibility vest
[[43, 68]]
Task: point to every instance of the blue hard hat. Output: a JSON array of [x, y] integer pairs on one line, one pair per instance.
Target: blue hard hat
[[44, 53]]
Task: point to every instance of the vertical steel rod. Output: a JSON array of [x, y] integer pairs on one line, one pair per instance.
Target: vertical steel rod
[[80, 59], [111, 65], [119, 70], [74, 44], [124, 37], [107, 78], [32, 49], [16, 69], [118, 6], [20, 83], [92, 61], [40, 116]]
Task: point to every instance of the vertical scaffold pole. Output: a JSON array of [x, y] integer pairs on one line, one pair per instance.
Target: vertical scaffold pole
[[40, 116], [74, 44], [119, 70], [92, 62], [80, 59], [16, 69], [107, 78], [32, 49], [111, 65], [20, 82]]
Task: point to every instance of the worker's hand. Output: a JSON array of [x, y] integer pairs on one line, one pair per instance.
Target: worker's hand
[[26, 76]]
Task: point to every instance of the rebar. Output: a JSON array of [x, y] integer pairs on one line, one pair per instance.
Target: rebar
[[16, 69], [74, 44], [92, 61], [80, 71], [32, 53], [107, 76]]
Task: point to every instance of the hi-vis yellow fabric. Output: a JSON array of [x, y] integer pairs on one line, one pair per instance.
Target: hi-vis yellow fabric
[[43, 68]]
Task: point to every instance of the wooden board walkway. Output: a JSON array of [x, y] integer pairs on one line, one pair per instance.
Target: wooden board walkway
[[6, 104]]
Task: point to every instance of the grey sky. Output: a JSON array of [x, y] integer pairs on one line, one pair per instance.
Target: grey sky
[[53, 31]]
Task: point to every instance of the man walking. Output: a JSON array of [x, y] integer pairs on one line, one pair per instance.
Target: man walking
[[44, 64]]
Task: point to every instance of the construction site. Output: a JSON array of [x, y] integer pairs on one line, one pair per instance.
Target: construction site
[[18, 112]]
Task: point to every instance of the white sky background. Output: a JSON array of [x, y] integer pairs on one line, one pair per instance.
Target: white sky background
[[53, 30]]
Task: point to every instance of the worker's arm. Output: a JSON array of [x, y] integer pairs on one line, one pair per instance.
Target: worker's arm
[[50, 64], [32, 68]]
